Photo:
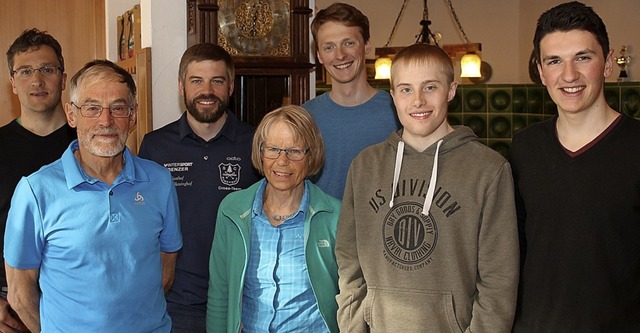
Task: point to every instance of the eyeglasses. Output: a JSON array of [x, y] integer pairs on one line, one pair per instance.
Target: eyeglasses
[[293, 154], [26, 72], [95, 110]]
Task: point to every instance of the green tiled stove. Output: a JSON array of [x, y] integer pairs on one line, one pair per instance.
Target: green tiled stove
[[496, 111]]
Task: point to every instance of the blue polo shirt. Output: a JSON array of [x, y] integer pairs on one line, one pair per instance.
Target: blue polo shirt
[[97, 246], [204, 172]]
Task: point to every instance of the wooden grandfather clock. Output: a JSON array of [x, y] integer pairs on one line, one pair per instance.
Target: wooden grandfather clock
[[269, 42]]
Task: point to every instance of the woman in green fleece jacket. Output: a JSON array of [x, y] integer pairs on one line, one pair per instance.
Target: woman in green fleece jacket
[[272, 265]]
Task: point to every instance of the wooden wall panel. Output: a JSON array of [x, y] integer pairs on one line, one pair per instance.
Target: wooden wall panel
[[78, 25]]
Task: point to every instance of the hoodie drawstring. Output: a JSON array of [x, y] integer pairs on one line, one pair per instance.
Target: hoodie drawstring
[[396, 171], [432, 182]]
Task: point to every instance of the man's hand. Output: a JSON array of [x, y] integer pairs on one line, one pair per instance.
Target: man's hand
[[9, 321]]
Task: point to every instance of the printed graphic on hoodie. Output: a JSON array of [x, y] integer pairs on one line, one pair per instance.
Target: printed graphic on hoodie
[[410, 237]]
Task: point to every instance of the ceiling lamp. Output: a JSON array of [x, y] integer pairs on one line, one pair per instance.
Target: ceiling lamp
[[470, 65], [383, 68], [384, 54]]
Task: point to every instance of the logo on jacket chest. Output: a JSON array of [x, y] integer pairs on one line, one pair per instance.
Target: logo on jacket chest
[[409, 236], [229, 173]]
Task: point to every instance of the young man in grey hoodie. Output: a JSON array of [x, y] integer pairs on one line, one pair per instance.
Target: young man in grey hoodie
[[427, 239]]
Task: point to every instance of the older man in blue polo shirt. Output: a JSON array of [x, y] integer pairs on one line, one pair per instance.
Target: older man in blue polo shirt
[[91, 239]]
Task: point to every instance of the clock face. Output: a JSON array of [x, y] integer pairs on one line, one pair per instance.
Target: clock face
[[254, 27]]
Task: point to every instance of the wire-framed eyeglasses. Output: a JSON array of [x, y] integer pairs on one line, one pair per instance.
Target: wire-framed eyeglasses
[[293, 154], [27, 72], [95, 110]]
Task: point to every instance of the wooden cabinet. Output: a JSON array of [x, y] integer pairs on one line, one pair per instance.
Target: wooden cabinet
[[137, 61], [266, 78], [139, 66]]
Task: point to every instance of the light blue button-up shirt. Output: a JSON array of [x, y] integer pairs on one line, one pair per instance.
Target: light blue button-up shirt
[[277, 294]]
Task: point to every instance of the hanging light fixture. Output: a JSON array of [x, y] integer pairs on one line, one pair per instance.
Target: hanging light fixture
[[383, 68], [383, 63], [470, 65]]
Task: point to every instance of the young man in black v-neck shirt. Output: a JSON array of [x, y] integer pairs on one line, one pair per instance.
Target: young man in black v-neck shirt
[[577, 182]]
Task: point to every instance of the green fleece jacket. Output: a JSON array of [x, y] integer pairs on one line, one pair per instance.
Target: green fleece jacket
[[452, 269], [229, 257]]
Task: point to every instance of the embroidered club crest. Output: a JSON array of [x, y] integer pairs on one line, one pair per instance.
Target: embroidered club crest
[[229, 173]]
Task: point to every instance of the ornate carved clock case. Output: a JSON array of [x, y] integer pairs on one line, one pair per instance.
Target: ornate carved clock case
[[269, 40]]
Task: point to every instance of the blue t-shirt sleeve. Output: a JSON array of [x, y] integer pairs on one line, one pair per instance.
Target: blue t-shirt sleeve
[[23, 242]]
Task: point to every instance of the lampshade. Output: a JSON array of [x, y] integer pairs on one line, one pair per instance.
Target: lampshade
[[383, 68], [470, 65]]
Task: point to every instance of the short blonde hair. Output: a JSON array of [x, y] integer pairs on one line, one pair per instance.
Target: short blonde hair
[[423, 55], [304, 129]]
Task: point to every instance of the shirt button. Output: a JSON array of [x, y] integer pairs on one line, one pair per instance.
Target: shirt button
[[206, 158]]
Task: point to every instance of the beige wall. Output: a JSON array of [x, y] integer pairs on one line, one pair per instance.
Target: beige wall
[[504, 27], [164, 30]]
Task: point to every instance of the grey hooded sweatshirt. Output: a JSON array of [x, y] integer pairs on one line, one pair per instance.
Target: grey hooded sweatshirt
[[441, 254]]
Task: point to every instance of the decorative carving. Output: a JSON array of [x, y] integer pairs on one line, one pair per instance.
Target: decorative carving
[[270, 44], [191, 16], [282, 50], [254, 27], [254, 20]]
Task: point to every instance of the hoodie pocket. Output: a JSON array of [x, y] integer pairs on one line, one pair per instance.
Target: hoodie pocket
[[402, 310]]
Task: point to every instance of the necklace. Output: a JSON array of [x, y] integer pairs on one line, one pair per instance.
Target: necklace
[[281, 217], [276, 217]]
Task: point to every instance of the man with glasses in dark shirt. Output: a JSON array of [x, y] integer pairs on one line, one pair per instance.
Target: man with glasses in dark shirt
[[38, 136]]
